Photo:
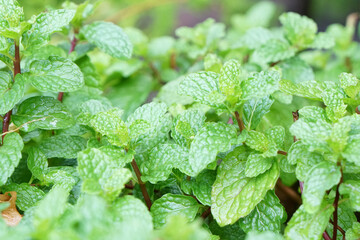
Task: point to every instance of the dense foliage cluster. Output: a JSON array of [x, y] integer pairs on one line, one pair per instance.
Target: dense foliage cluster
[[111, 135]]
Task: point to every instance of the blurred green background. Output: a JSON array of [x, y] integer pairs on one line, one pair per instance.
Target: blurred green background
[[161, 17]]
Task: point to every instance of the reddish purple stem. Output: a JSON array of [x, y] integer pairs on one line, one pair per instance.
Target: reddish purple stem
[[72, 48]]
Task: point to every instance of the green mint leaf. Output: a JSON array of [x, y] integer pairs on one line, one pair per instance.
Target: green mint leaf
[[350, 84], [231, 181], [274, 50], [10, 155], [323, 40], [260, 85], [55, 74], [208, 142], [254, 235], [304, 225], [296, 70], [257, 141], [186, 125], [160, 47], [149, 120], [110, 124], [256, 164], [162, 159], [268, 215], [178, 227], [10, 93], [12, 17], [230, 78], [109, 37], [51, 207], [44, 113], [26, 195], [308, 89], [62, 146], [354, 232], [254, 109], [60, 178], [212, 63], [203, 185], [171, 204], [352, 151], [44, 25], [101, 174], [134, 214], [320, 178], [312, 133], [335, 106], [202, 87], [118, 155], [276, 134], [37, 163], [299, 152], [299, 30], [351, 188], [313, 114], [256, 37]]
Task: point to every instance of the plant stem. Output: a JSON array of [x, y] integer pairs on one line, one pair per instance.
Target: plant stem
[[17, 70], [206, 213], [142, 184], [339, 228], [326, 236], [72, 48], [239, 121], [290, 192], [173, 64], [336, 204], [357, 110], [282, 153]]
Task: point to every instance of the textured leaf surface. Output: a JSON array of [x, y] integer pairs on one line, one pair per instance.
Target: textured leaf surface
[[45, 24], [163, 158], [257, 164], [109, 123], [274, 50], [43, 113], [201, 86], [208, 142], [37, 163], [171, 204], [109, 37], [55, 74], [299, 30], [308, 89], [10, 93], [352, 188], [321, 177], [101, 174], [62, 146], [268, 215], [203, 185], [230, 78], [304, 225], [234, 195], [296, 70], [254, 110], [26, 195], [130, 210], [10, 154], [260, 85]]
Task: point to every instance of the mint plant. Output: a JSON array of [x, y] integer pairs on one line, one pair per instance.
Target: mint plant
[[241, 132]]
